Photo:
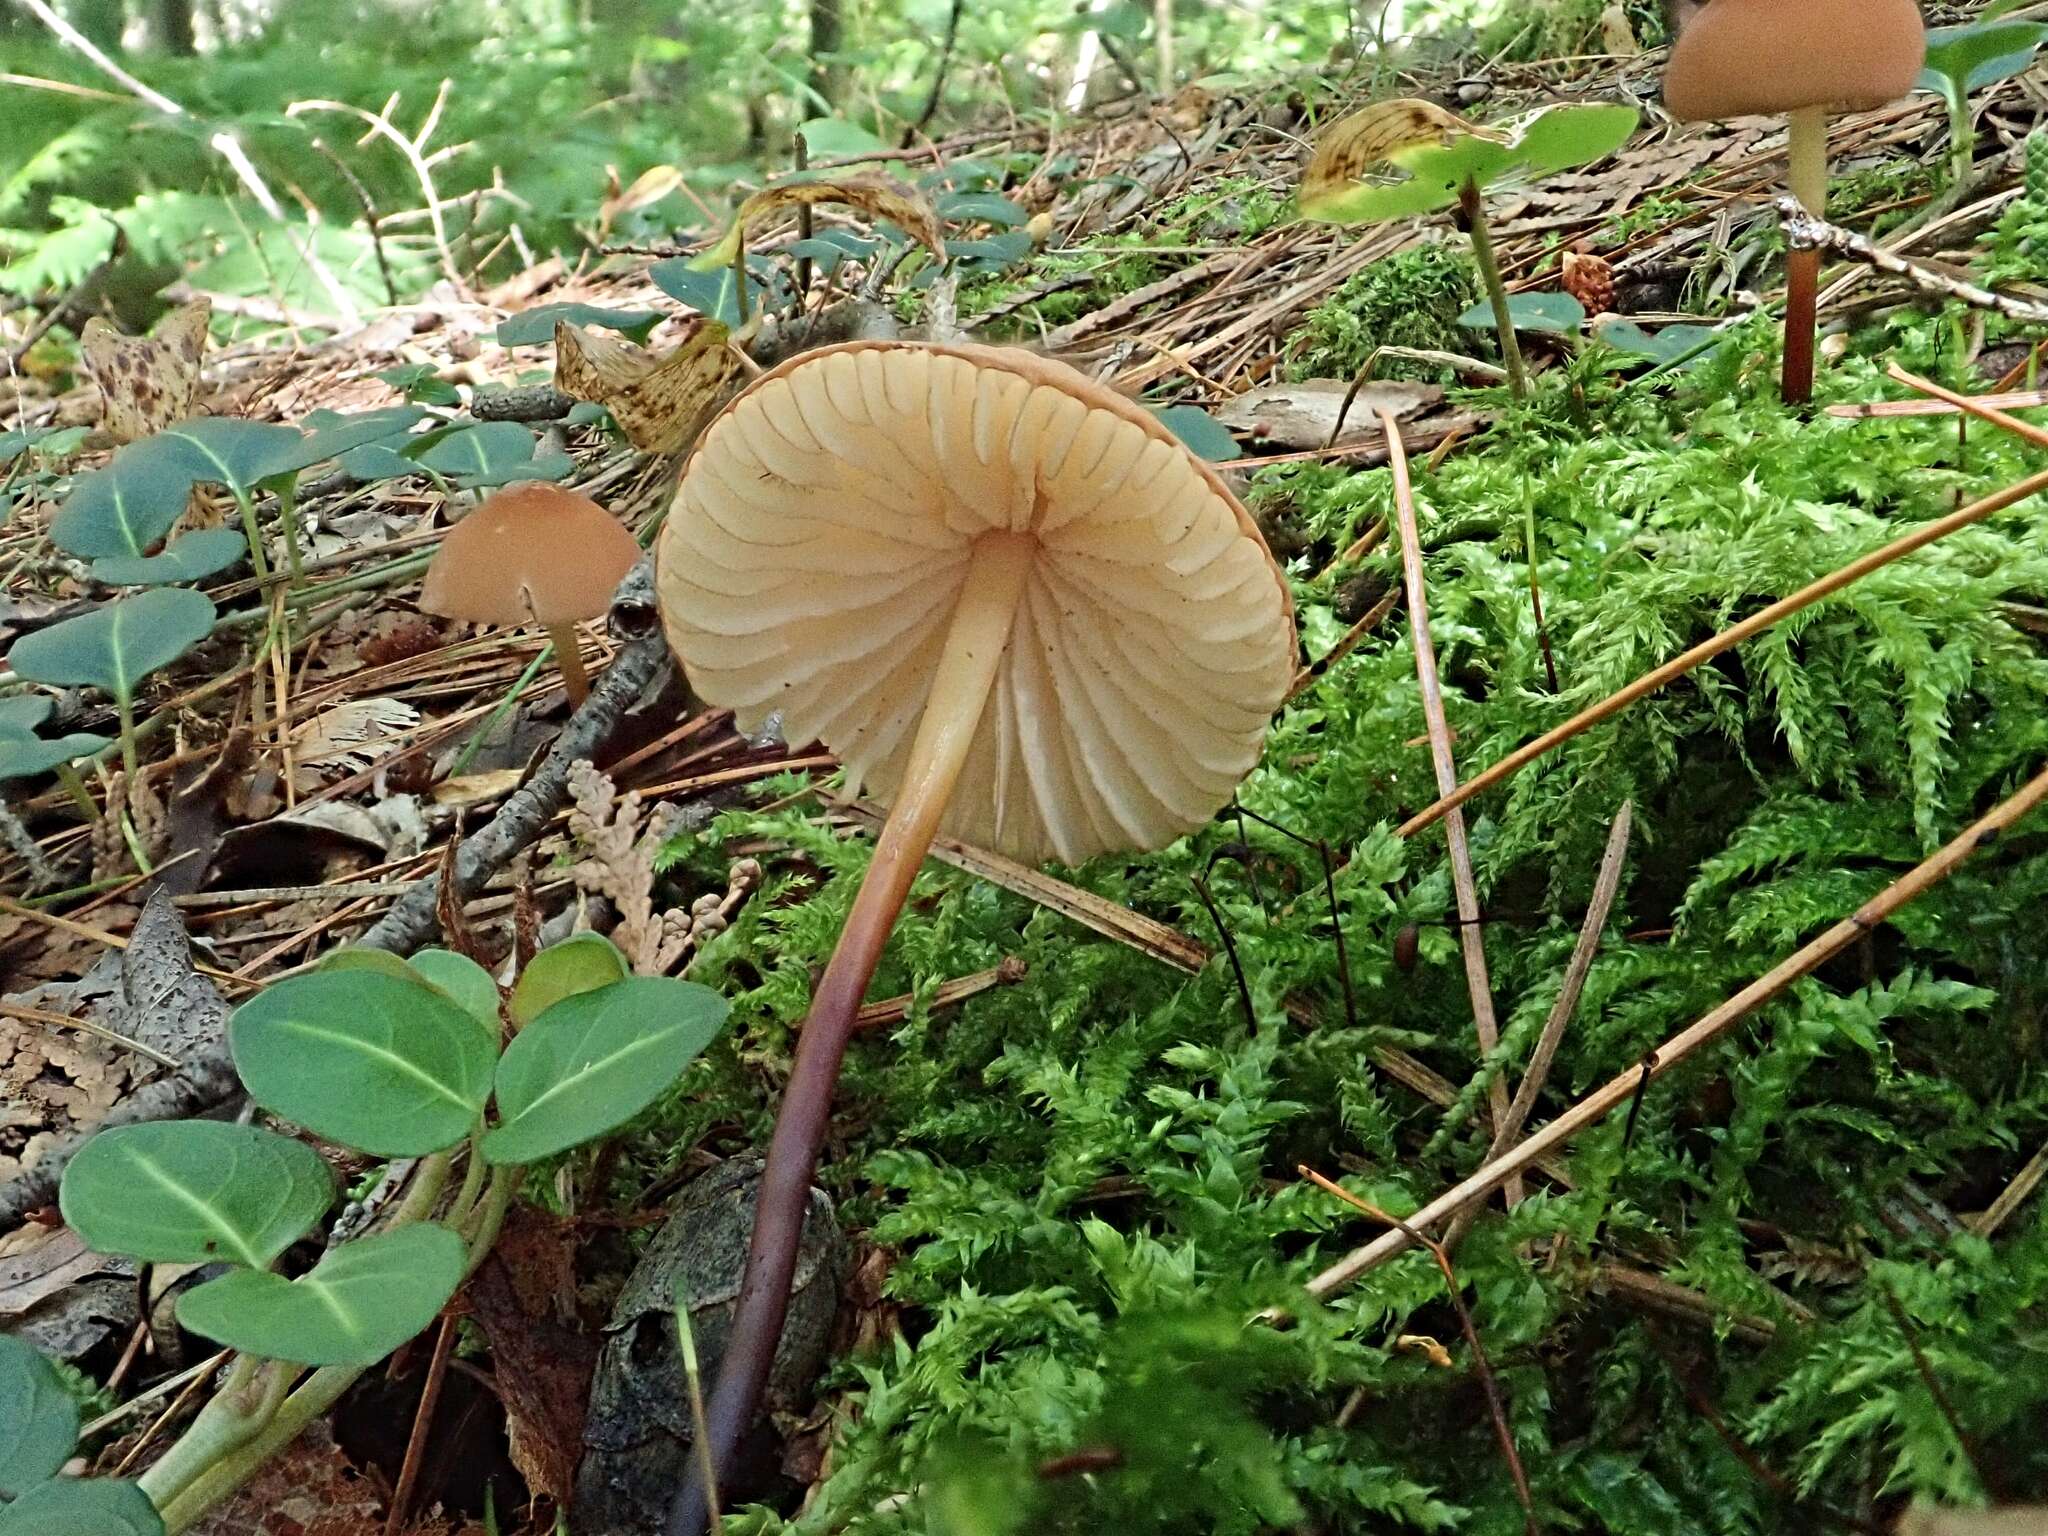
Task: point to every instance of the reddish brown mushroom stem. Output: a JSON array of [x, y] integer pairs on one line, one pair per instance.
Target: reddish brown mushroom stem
[[1808, 180], [975, 641]]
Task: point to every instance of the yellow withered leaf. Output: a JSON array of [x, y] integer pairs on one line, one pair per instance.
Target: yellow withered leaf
[[660, 403], [1373, 137], [648, 188], [870, 193], [146, 382]]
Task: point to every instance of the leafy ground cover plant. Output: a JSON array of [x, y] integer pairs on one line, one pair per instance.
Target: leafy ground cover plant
[[393, 1058], [1965, 59], [1446, 160]]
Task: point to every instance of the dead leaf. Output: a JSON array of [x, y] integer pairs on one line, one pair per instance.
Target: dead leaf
[[1617, 34], [146, 383], [1372, 136], [1422, 1344], [477, 788], [649, 188], [59, 1296], [1303, 415], [349, 737], [660, 403], [871, 193], [310, 1488]]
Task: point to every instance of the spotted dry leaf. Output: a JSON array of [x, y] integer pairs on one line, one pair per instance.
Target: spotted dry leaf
[[146, 382], [1373, 137], [871, 193], [660, 403]]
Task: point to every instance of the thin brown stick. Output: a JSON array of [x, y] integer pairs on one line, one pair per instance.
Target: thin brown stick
[[1313, 673], [1605, 885], [1984, 410], [422, 1421], [2014, 1195], [1708, 1028], [1727, 640], [1471, 932], [1480, 1365]]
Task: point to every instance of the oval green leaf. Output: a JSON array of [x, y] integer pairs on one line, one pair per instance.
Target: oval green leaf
[[82, 1506], [1204, 435], [1557, 314], [23, 757], [19, 716], [536, 327], [467, 984], [194, 1191], [115, 647], [122, 510], [384, 1064], [38, 1419], [595, 1060], [235, 452], [357, 1305], [583, 962], [192, 557]]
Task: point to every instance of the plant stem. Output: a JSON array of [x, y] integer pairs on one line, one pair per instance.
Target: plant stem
[[974, 647], [1489, 274], [74, 786], [124, 708], [254, 534], [288, 515], [1536, 592], [483, 732], [246, 1402], [1808, 181], [569, 657]]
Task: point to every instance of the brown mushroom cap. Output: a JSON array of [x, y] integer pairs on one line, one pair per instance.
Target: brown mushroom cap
[[822, 534], [529, 554], [1744, 58]]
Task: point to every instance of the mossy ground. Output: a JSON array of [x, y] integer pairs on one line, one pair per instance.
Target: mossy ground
[[1087, 1179]]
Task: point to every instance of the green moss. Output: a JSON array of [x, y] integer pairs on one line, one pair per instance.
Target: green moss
[[1411, 299]]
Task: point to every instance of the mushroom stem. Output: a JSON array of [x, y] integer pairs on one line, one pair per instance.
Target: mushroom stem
[[1808, 181], [980, 631], [1474, 209], [569, 657]]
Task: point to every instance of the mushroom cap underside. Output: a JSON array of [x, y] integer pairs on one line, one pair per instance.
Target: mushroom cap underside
[[531, 553], [826, 524], [1745, 58]]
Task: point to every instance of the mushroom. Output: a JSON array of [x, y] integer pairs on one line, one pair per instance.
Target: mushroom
[[1017, 608], [533, 554], [1804, 59]]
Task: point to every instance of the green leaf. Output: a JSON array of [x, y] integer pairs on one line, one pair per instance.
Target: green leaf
[[236, 453], [583, 962], [190, 557], [194, 1192], [467, 984], [982, 207], [53, 441], [593, 1061], [490, 453], [359, 1303], [419, 383], [709, 293], [1666, 345], [82, 1506], [536, 327], [127, 507], [1964, 59], [1558, 138], [1203, 433], [356, 957], [115, 647], [330, 434], [833, 138], [385, 1065], [38, 1419], [1555, 313], [25, 757], [19, 716]]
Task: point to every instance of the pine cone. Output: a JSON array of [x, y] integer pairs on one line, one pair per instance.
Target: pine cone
[[1590, 280]]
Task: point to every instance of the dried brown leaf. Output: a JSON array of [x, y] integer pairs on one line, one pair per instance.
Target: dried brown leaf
[[146, 382], [1372, 136], [660, 403], [871, 193]]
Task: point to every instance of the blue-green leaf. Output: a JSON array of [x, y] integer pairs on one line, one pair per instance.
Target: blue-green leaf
[[115, 647], [82, 1506], [189, 557], [127, 507], [38, 1419], [1553, 313], [536, 327]]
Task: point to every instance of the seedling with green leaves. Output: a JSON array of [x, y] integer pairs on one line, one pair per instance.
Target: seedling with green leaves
[[38, 1433], [25, 755], [1965, 59], [115, 647], [389, 1057], [1445, 160]]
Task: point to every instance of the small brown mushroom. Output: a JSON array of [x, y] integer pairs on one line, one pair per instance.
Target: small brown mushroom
[[1804, 59], [533, 554]]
